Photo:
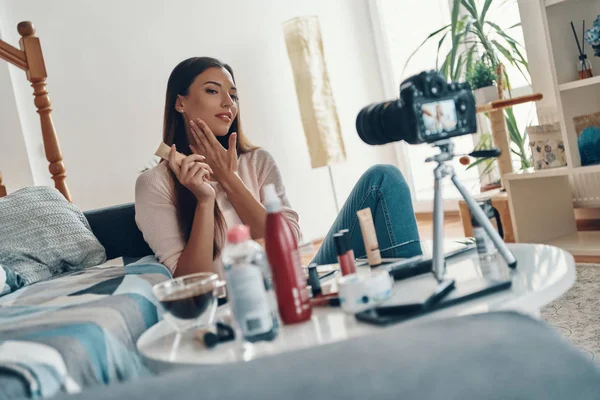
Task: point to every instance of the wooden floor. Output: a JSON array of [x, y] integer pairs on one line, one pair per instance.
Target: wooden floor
[[453, 228]]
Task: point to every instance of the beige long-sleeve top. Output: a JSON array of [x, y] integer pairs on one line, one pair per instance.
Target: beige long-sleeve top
[[156, 213]]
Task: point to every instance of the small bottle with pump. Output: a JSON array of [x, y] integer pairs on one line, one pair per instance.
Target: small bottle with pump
[[249, 286]]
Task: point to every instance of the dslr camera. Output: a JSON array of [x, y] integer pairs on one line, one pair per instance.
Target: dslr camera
[[429, 109]]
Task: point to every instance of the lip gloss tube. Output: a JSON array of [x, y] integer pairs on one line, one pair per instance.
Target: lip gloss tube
[[313, 280], [346, 233], [344, 256]]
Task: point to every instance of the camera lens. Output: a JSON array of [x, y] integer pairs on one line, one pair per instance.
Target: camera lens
[[377, 123], [429, 109]]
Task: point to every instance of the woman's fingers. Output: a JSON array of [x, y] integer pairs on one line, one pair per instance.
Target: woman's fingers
[[193, 170], [232, 150], [185, 167], [208, 134], [204, 175], [198, 134], [197, 149], [188, 162], [205, 166]]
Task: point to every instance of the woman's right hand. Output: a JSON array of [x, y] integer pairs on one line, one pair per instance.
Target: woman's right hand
[[193, 174]]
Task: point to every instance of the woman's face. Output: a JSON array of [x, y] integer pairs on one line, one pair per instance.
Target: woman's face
[[213, 98]]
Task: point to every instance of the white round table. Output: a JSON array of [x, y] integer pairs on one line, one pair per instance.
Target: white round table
[[543, 274]]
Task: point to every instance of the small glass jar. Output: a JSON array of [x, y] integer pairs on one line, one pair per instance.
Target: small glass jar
[[485, 246], [584, 67]]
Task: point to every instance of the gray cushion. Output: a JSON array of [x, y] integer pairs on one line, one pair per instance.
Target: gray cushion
[[488, 356], [43, 235]]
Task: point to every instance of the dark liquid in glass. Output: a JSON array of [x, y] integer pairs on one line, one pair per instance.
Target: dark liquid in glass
[[189, 304]]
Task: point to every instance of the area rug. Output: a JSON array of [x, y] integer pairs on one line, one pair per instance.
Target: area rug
[[576, 315]]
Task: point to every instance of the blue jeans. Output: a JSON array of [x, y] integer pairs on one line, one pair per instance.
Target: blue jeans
[[382, 189]]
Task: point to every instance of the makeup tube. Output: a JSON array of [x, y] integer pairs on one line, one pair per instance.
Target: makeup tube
[[343, 253], [367, 228], [346, 233]]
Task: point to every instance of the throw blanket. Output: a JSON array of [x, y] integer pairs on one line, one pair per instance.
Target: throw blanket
[[43, 235], [77, 330]]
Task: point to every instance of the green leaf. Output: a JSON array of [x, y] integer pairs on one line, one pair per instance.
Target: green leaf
[[446, 67], [488, 168], [477, 162], [470, 6], [469, 62], [484, 11], [521, 60], [514, 44], [453, 53], [431, 35], [458, 68], [507, 81], [505, 52], [456, 65], [454, 17], [514, 26], [437, 56], [501, 32]]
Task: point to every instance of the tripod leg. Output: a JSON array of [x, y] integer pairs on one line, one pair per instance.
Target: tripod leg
[[439, 266], [477, 212]]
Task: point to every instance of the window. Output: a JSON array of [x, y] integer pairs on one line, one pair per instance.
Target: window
[[400, 26]]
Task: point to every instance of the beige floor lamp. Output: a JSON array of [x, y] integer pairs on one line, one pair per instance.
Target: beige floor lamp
[[313, 89]]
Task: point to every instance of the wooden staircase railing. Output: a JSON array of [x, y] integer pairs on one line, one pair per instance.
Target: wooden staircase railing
[[31, 60]]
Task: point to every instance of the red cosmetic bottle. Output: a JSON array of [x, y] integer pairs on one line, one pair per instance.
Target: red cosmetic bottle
[[284, 259]]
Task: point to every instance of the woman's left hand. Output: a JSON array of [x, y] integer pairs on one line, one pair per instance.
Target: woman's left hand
[[223, 162]]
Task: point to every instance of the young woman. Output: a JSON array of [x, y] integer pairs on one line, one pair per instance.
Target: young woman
[[184, 208]]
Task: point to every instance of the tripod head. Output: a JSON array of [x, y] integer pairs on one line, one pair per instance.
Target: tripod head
[[446, 153]]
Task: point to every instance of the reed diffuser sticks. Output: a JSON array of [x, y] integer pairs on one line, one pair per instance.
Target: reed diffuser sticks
[[584, 66]]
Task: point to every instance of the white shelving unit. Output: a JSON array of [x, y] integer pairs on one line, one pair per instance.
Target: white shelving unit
[[553, 2], [542, 202], [579, 84]]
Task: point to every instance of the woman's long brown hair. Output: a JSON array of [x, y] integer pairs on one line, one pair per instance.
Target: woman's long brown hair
[[174, 132]]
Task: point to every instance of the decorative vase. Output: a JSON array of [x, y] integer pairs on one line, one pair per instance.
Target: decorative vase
[[587, 128]]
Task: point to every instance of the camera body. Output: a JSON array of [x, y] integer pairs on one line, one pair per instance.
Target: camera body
[[429, 109]]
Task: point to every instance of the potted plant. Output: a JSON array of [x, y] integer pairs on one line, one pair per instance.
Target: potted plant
[[473, 36], [482, 78], [477, 47]]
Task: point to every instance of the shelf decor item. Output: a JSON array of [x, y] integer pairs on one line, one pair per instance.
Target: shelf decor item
[[547, 146], [588, 138], [592, 36], [589, 146], [584, 67], [584, 121]]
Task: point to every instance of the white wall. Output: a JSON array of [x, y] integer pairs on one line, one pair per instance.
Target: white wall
[[540, 64], [108, 63], [14, 163]]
